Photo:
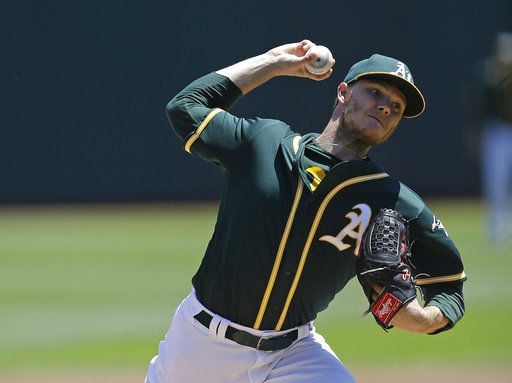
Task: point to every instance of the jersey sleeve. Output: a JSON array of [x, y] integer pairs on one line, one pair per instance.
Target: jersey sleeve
[[438, 266], [198, 116]]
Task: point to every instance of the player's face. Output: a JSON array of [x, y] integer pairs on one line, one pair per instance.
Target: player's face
[[372, 111]]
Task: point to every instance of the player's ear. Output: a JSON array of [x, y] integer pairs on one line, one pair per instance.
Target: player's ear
[[342, 93]]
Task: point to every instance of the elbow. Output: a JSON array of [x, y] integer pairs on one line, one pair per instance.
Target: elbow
[[178, 118], [171, 110], [173, 113]]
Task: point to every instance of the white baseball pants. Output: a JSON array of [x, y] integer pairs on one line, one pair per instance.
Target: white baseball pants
[[192, 353]]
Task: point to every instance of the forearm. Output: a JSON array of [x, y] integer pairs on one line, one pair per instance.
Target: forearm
[[251, 73], [284, 60], [444, 307], [414, 318]]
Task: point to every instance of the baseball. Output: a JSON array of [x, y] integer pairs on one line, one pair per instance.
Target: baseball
[[323, 63]]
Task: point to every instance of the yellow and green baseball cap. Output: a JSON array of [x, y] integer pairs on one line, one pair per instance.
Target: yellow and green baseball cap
[[392, 70]]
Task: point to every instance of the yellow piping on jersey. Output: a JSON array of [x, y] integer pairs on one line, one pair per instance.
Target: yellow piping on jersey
[[311, 235], [279, 256], [440, 279], [193, 138]]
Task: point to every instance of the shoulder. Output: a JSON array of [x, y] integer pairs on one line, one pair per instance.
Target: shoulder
[[409, 201], [259, 129]]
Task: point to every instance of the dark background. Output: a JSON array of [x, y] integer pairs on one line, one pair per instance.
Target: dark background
[[84, 85]]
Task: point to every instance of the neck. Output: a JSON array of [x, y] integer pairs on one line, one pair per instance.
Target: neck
[[343, 152]]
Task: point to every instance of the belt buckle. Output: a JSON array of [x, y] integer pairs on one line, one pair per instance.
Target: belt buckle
[[274, 343], [261, 342]]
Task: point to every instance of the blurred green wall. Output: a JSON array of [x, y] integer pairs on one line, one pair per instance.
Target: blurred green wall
[[84, 86]]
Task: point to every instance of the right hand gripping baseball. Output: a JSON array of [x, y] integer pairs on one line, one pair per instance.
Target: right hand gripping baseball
[[293, 58], [383, 260]]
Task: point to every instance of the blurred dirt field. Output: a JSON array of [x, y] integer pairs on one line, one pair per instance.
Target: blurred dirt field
[[422, 374]]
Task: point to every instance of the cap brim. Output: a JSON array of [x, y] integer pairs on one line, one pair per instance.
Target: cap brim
[[415, 100]]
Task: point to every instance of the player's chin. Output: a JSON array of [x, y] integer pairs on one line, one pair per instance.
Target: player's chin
[[376, 134]]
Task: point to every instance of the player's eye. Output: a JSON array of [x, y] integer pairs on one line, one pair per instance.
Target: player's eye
[[375, 93], [396, 107]]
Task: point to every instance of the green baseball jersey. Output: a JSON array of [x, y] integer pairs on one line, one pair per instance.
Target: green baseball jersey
[[291, 216]]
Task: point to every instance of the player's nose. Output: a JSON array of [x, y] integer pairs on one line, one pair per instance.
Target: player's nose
[[384, 108]]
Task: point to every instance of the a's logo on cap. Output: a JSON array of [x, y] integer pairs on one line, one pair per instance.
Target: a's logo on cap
[[403, 71]]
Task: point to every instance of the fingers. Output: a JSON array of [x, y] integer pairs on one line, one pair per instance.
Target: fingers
[[296, 49], [318, 77], [307, 45], [377, 290]]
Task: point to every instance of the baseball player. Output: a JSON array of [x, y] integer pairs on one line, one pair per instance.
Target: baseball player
[[488, 103], [293, 213]]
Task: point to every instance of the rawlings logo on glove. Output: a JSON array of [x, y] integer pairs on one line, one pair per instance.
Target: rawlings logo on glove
[[384, 260]]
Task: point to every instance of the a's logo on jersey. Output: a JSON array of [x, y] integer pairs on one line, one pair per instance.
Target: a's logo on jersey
[[438, 225], [359, 219]]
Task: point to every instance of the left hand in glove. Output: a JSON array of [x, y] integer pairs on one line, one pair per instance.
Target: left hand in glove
[[383, 261]]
